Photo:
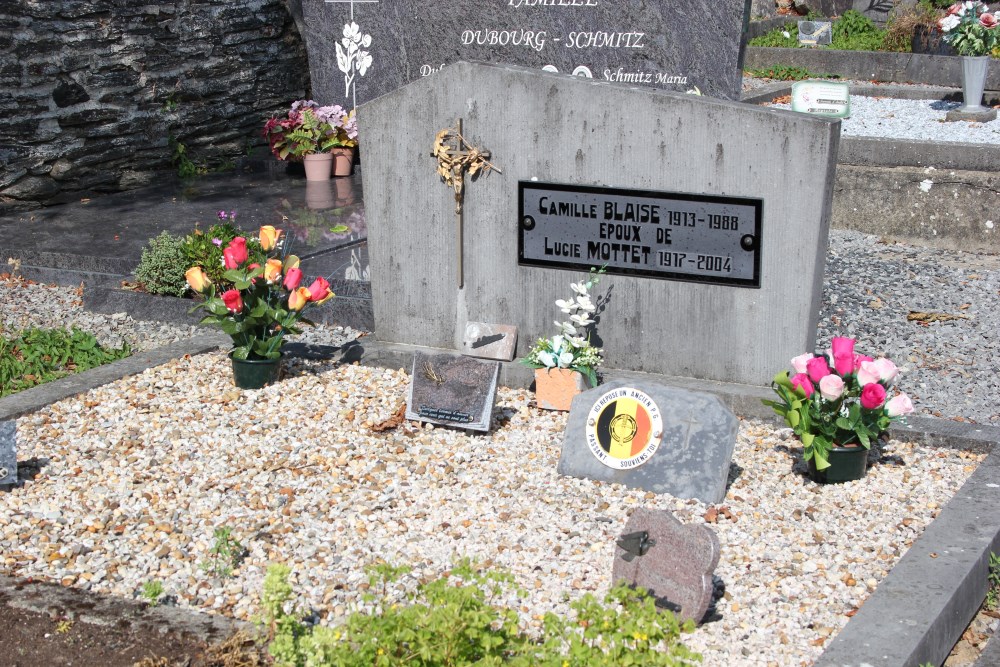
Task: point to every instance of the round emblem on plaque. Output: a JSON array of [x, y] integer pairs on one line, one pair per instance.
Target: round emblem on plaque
[[624, 428]]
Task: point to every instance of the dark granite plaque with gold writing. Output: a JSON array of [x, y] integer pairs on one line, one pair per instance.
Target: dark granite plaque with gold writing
[[453, 391]]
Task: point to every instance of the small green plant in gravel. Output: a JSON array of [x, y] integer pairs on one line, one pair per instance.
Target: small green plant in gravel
[[456, 620], [225, 555], [161, 268], [36, 356], [993, 592], [151, 592]]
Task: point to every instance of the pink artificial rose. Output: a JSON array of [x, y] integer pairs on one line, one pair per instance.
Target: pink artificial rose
[[842, 350], [887, 370], [899, 406], [293, 277], [233, 300], [235, 253], [799, 362], [872, 396], [988, 21], [817, 368], [831, 387], [860, 359], [868, 373], [955, 9], [802, 381]]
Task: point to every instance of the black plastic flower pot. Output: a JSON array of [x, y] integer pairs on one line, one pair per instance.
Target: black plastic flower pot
[[255, 373], [846, 465]]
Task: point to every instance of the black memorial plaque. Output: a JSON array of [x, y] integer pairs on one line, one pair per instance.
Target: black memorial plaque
[[361, 49], [696, 238], [453, 391], [8, 452]]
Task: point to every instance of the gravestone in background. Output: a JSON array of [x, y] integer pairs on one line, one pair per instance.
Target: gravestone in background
[[879, 10], [650, 436], [360, 49], [569, 132]]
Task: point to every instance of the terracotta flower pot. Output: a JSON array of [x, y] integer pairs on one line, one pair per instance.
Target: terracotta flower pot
[[343, 161], [556, 387], [318, 166]]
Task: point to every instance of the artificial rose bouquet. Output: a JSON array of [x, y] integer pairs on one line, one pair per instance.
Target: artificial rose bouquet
[[310, 128], [838, 399], [970, 28], [266, 301], [571, 348]]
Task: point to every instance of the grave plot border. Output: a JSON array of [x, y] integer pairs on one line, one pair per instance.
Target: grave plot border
[[919, 611]]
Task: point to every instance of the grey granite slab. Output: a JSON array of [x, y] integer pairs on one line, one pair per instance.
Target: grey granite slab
[[690, 458], [361, 49], [678, 565], [490, 341]]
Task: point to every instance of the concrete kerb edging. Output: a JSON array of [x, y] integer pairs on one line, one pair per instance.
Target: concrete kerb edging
[[919, 611], [30, 400]]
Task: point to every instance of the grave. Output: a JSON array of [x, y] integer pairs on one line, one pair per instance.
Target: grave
[[647, 435], [722, 280], [360, 49], [674, 562]]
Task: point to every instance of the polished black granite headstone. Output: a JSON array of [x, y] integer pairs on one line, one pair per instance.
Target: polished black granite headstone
[[361, 49]]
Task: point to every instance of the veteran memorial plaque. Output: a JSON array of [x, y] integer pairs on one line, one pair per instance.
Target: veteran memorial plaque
[[361, 49], [651, 436], [452, 391], [700, 238]]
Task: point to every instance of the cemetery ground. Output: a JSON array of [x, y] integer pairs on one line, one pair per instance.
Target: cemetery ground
[[127, 483]]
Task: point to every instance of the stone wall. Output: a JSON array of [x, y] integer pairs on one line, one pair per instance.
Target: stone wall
[[91, 91]]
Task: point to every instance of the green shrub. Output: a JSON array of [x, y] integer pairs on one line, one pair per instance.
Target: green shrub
[[787, 73], [455, 620], [161, 269], [776, 37], [856, 32], [40, 355]]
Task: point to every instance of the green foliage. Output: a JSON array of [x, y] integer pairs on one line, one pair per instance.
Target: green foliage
[[853, 31], [40, 355], [787, 73], [455, 620], [161, 268], [186, 167], [151, 592], [200, 249], [225, 555], [993, 592]]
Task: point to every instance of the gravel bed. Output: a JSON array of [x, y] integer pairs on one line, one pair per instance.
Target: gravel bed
[[134, 477], [917, 120]]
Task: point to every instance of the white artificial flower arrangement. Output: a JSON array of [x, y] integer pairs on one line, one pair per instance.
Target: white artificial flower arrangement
[[571, 347]]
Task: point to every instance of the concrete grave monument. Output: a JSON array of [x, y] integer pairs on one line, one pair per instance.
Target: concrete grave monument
[[672, 561], [712, 217], [647, 435], [452, 391], [8, 452], [360, 49]]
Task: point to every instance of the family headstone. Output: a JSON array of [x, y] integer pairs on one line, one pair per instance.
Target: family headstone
[[490, 341], [360, 49], [650, 436], [675, 565], [714, 241], [452, 391], [8, 452]]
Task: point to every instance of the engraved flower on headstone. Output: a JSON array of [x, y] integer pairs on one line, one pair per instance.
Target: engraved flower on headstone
[[351, 59]]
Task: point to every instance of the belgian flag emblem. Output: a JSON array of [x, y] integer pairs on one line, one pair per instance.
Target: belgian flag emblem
[[624, 428]]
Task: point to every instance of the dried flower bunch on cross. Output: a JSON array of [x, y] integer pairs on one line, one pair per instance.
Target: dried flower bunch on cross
[[266, 301], [571, 347]]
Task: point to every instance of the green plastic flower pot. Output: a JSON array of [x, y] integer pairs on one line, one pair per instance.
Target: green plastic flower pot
[[846, 465], [255, 373]]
